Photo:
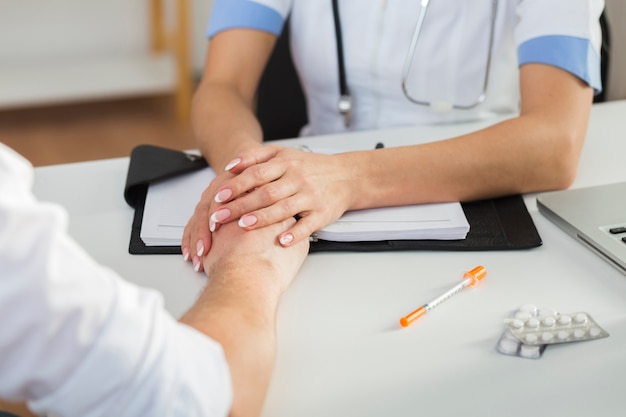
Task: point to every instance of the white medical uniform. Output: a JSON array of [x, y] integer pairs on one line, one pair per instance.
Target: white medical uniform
[[76, 339], [451, 54]]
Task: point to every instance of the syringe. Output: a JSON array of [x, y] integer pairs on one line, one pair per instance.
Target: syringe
[[470, 278]]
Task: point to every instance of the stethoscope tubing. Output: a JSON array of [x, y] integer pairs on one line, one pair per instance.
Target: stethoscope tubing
[[411, 55], [345, 99]]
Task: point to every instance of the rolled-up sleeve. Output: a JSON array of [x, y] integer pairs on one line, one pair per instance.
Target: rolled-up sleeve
[[265, 15], [562, 33]]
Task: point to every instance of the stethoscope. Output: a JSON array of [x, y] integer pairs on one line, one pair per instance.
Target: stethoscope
[[345, 98]]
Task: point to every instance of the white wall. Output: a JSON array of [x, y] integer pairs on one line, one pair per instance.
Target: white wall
[[39, 30]]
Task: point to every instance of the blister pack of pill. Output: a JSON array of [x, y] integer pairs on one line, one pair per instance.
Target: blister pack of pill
[[530, 330], [560, 328], [509, 344]]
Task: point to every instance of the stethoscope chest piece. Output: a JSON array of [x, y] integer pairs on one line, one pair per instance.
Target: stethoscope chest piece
[[345, 107]]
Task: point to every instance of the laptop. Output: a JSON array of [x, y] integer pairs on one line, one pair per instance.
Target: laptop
[[595, 216]]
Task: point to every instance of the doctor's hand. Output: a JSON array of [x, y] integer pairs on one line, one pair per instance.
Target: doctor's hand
[[276, 183], [197, 238]]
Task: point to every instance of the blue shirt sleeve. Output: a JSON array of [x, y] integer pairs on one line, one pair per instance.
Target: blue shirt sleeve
[[574, 55], [229, 14]]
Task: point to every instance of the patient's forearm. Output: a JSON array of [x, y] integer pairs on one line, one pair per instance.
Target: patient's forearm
[[240, 315]]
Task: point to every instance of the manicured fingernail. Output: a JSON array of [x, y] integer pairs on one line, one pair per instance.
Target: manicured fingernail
[[286, 239], [211, 226], [247, 220], [220, 215], [196, 264], [186, 254], [232, 164], [200, 248], [223, 195]]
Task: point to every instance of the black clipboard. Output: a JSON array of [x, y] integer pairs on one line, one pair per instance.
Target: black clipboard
[[149, 163], [495, 224]]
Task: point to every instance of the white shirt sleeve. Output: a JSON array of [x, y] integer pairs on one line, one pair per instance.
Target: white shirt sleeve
[[77, 340]]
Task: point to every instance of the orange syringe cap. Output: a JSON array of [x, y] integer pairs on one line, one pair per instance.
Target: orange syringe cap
[[410, 318], [475, 275]]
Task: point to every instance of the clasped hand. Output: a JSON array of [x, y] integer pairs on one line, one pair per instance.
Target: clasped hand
[[267, 185]]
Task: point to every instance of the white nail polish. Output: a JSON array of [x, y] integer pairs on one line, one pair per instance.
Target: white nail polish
[[286, 239], [212, 226], [196, 267], [223, 195], [247, 220], [232, 164]]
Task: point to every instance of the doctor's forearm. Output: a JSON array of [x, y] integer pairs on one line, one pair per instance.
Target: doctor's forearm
[[223, 124], [539, 150], [517, 156], [18, 409]]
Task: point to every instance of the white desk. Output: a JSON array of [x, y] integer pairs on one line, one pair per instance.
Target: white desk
[[341, 351]]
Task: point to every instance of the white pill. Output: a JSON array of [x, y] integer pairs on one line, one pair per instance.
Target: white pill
[[579, 333], [527, 351], [508, 334], [508, 346], [530, 338], [548, 321], [532, 323], [523, 315], [562, 335], [546, 336], [517, 323], [580, 318], [529, 308], [595, 332], [565, 320]]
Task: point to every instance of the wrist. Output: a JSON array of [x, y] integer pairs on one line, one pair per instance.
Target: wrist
[[230, 304], [360, 180], [243, 144], [221, 153], [250, 279]]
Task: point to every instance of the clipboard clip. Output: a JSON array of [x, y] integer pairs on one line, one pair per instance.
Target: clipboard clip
[[192, 157]]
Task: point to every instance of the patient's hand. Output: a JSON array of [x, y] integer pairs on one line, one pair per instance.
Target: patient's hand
[[255, 257]]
